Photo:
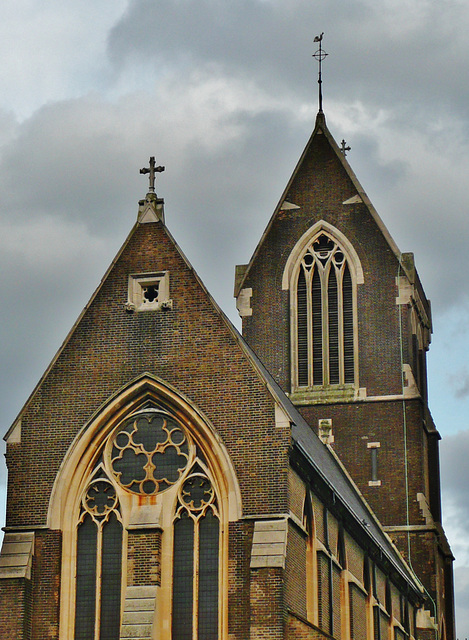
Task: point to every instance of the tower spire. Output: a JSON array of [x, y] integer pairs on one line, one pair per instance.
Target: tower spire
[[320, 55]]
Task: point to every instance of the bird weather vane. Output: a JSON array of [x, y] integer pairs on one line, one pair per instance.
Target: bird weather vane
[[320, 55], [152, 170]]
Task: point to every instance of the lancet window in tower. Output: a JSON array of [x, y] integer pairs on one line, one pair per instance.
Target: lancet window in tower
[[152, 461], [325, 316]]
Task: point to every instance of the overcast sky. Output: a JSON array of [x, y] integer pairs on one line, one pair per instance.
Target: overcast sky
[[224, 94]]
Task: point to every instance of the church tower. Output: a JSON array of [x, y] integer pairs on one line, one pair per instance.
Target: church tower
[[340, 319], [170, 479]]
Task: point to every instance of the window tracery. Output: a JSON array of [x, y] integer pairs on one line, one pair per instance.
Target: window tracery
[[149, 453], [150, 456], [324, 332], [99, 562], [195, 581]]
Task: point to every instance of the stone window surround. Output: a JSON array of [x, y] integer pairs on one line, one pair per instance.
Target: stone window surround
[[137, 300], [289, 282], [66, 497]]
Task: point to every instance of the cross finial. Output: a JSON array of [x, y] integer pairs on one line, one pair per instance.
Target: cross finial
[[320, 55], [344, 148], [152, 170]]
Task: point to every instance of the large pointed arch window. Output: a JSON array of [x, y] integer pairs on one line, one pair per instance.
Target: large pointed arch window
[[150, 497], [324, 324]]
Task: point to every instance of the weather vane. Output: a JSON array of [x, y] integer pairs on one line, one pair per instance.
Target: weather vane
[[320, 55], [152, 170]]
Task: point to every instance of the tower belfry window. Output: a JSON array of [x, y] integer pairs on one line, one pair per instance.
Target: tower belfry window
[[324, 316]]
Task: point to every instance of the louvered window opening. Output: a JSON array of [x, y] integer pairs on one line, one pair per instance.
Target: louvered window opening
[[325, 340]]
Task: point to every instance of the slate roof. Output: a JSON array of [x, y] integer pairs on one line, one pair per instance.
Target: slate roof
[[326, 464]]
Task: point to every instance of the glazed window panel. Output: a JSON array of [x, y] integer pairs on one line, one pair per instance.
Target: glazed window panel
[[111, 579], [196, 561], [183, 578], [324, 316], [149, 456], [208, 576], [85, 609], [99, 564]]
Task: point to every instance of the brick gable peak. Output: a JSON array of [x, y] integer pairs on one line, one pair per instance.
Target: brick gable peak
[[360, 196]]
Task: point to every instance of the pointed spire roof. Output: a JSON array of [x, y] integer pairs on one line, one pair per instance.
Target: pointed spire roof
[[360, 196]]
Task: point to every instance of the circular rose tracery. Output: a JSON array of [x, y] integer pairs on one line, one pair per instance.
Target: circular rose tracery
[[149, 453]]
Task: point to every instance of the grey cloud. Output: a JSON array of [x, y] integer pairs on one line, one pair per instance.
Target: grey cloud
[[377, 52]]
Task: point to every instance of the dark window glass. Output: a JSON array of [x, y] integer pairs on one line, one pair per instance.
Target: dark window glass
[[357, 613], [336, 606], [111, 579], [317, 328], [376, 625], [208, 577], [325, 329], [183, 578], [348, 325], [302, 328], [333, 311], [86, 579], [374, 464], [149, 453]]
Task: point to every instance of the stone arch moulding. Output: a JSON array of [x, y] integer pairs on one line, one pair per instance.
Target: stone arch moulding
[[305, 240], [81, 455]]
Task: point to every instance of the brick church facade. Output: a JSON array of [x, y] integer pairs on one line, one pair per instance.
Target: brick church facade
[[170, 479]]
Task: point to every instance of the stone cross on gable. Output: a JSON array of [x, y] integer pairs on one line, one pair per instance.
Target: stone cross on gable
[[152, 170], [344, 148]]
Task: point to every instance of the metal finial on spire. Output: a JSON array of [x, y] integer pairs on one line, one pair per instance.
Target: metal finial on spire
[[152, 170], [320, 55], [344, 148]]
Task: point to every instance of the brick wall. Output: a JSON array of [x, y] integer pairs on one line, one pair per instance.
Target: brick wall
[[46, 585], [240, 544], [15, 609], [144, 558], [188, 346], [319, 189], [300, 629]]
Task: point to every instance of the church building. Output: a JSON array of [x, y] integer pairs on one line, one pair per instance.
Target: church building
[[171, 479]]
